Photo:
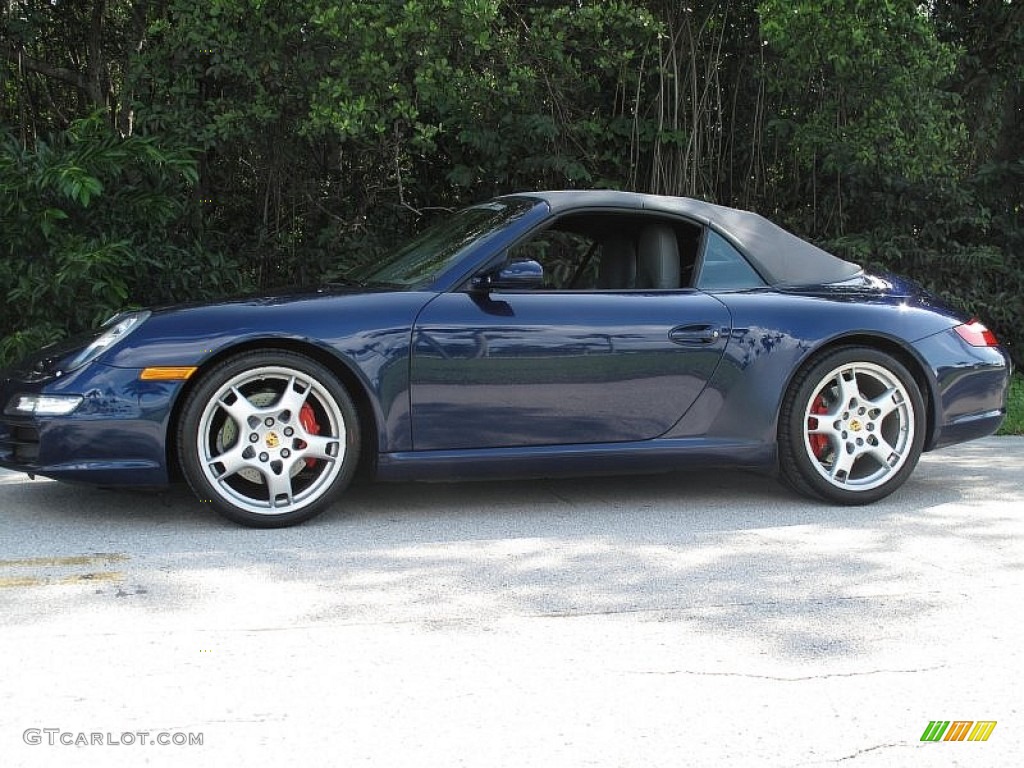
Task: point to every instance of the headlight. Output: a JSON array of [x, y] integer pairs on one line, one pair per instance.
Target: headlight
[[43, 405], [117, 328]]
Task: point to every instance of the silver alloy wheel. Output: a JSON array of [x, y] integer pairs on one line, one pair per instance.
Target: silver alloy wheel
[[254, 448], [859, 426]]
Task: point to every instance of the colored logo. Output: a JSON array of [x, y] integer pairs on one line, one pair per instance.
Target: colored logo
[[273, 441], [958, 730]]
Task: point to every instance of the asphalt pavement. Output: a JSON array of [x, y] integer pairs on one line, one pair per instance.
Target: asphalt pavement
[[706, 619]]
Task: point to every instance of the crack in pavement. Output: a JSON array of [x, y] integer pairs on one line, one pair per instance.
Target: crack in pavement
[[781, 679]]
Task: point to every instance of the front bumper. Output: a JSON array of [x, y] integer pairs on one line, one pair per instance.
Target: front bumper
[[116, 436]]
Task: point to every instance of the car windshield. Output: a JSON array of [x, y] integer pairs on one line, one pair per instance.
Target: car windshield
[[437, 248]]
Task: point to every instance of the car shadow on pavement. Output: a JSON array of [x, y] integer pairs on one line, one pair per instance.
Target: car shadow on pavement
[[731, 554]]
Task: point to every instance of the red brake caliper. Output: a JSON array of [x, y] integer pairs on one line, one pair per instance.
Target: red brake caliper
[[819, 443], [308, 420]]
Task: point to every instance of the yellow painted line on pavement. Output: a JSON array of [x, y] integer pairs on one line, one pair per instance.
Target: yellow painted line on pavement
[[44, 577], [23, 581], [34, 562]]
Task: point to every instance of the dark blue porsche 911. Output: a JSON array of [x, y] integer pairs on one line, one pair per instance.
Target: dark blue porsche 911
[[538, 335]]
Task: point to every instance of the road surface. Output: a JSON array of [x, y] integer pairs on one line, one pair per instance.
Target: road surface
[[709, 619]]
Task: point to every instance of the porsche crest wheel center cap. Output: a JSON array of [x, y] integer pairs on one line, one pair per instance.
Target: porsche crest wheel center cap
[[854, 425], [273, 440]]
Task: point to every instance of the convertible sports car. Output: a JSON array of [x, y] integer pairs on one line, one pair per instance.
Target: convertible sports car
[[538, 335]]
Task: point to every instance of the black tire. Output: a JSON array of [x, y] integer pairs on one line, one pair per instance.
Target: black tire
[[268, 438], [852, 427]]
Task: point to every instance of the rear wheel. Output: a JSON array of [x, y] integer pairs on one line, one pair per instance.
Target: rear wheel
[[269, 438], [852, 427]]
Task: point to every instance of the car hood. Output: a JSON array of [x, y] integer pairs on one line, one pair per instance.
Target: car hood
[[190, 333]]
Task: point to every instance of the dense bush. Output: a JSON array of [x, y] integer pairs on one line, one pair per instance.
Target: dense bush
[[164, 150], [91, 222]]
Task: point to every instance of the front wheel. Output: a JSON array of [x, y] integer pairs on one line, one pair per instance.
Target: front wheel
[[852, 427], [269, 438]]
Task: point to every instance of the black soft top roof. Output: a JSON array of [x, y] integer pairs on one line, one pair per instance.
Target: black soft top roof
[[782, 258]]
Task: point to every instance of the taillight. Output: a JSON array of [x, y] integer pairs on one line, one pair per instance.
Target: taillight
[[976, 334]]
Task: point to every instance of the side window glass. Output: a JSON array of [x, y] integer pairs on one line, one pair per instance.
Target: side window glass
[[724, 268], [567, 258]]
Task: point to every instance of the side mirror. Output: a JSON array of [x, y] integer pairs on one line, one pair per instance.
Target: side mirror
[[517, 276]]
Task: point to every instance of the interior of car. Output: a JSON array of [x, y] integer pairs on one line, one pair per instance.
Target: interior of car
[[609, 251]]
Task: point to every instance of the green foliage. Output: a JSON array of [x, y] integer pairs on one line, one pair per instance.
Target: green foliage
[[946, 239], [324, 132], [881, 152], [859, 99], [89, 223], [1014, 424], [327, 129]]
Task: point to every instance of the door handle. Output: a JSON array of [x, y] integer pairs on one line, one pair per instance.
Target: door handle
[[695, 334]]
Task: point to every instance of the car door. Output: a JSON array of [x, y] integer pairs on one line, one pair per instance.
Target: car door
[[558, 366]]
